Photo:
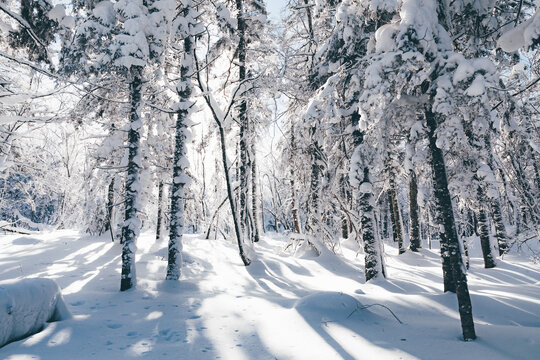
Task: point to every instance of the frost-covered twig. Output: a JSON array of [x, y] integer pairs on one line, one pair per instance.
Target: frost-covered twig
[[362, 307]]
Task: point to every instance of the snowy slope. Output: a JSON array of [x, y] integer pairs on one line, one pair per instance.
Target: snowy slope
[[281, 307]]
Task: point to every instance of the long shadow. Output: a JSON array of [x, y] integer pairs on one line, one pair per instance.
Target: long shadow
[[359, 321], [263, 276], [50, 254]]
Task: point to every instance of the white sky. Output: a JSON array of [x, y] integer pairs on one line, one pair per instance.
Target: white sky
[[274, 7]]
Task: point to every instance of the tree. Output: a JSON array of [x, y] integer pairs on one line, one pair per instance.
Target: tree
[[186, 29], [122, 39], [413, 61]]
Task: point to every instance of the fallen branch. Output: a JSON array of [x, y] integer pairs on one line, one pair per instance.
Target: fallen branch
[[363, 307]]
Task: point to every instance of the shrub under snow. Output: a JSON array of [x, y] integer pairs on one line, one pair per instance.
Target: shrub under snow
[[26, 305]]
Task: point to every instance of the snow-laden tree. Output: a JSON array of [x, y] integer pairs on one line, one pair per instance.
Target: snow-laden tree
[[340, 61], [33, 104], [306, 27], [233, 70], [123, 39], [413, 63], [187, 28]]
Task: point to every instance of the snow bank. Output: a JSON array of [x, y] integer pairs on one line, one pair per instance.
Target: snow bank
[[26, 305], [331, 304]]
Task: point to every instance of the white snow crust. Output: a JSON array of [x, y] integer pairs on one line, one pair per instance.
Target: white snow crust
[[26, 305], [281, 306]]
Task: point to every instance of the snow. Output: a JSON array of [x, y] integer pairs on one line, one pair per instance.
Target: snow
[[478, 86], [26, 305], [104, 11], [281, 306], [522, 36], [57, 13], [385, 37]]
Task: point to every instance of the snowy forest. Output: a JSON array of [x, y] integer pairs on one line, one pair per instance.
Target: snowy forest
[[280, 179]]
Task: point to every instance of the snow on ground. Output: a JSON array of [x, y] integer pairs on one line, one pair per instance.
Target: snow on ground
[[280, 307], [26, 305]]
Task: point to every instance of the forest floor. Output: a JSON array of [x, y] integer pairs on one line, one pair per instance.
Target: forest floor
[[280, 307]]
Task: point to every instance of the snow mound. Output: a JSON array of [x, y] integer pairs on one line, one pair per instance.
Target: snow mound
[[26, 305], [328, 304]]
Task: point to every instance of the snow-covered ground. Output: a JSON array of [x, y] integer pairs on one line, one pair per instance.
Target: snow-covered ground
[[280, 307]]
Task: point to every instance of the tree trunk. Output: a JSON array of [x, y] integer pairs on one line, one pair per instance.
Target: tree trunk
[[392, 219], [396, 225], [344, 219], [385, 210], [131, 227], [500, 229], [243, 120], [315, 152], [110, 208], [184, 90], [294, 202], [455, 279], [373, 262], [413, 205], [159, 210], [489, 261], [254, 196]]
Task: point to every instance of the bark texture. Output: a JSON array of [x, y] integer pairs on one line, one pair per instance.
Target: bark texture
[[130, 229], [413, 207], [455, 278]]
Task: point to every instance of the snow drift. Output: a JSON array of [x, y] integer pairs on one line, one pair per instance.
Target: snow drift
[[26, 305]]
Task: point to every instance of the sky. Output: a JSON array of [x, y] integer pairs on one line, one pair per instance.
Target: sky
[[274, 7]]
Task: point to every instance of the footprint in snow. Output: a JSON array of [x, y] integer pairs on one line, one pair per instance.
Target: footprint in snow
[[114, 326], [131, 333], [77, 303]]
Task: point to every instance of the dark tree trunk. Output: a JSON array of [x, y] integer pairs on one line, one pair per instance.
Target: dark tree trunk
[[489, 261], [466, 231], [392, 219], [254, 196], [500, 229], [455, 279], [176, 228], [225, 162], [230, 194], [294, 202], [315, 152], [413, 205], [396, 225], [159, 210], [373, 262], [345, 192], [263, 222], [130, 229], [385, 221], [466, 254], [345, 195], [243, 120], [110, 208]]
